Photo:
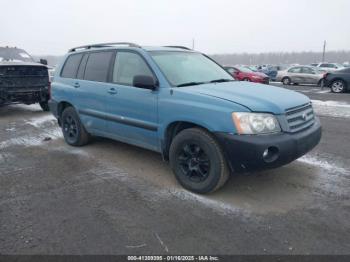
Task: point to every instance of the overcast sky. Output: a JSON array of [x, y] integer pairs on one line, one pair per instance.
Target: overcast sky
[[218, 26]]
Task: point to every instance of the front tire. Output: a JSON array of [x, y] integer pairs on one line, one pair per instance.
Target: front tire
[[338, 86], [286, 81], [73, 130], [44, 106], [198, 161]]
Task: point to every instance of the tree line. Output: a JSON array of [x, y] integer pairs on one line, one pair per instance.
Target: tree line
[[277, 58]]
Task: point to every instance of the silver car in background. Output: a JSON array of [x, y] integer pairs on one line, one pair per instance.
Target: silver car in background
[[329, 67], [301, 75]]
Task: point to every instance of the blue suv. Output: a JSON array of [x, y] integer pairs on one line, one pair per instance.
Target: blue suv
[[182, 104]]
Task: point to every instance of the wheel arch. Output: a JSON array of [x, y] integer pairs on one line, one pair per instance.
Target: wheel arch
[[286, 77], [341, 79], [172, 130], [60, 108]]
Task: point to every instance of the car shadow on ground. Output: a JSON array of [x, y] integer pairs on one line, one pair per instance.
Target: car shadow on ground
[[276, 190]]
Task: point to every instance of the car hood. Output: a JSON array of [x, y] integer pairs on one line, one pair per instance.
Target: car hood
[[256, 97]]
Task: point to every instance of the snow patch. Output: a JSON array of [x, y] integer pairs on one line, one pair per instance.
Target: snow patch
[[314, 161], [32, 140], [330, 103], [208, 201], [331, 108], [40, 121]]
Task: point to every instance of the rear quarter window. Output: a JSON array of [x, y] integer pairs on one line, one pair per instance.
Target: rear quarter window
[[71, 65]]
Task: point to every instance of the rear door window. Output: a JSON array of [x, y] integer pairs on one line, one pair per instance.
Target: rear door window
[[97, 66], [308, 70], [71, 65], [81, 69], [295, 70]]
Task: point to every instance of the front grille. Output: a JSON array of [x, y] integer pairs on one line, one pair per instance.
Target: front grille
[[23, 76], [300, 117], [16, 71]]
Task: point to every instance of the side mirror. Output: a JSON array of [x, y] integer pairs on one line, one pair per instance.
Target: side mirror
[[143, 81], [43, 61]]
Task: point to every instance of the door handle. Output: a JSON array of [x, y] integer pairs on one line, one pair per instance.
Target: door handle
[[112, 91], [76, 85]]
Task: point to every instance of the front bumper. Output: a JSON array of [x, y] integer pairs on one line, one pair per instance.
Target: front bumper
[[245, 152], [28, 95]]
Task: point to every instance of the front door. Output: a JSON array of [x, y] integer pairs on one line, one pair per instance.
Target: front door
[[133, 111]]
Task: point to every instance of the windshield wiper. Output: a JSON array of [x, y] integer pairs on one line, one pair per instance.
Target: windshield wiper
[[221, 80], [191, 84]]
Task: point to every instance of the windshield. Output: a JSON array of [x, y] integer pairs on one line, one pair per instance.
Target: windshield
[[187, 68], [14, 55]]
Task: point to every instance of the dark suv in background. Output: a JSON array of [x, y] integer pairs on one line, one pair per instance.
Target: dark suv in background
[[22, 80], [338, 81]]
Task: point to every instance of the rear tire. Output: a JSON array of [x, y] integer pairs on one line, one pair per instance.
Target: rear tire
[[286, 81], [246, 79], [198, 161], [338, 86], [44, 106], [73, 130]]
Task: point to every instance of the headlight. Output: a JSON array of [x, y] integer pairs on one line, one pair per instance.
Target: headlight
[[255, 123]]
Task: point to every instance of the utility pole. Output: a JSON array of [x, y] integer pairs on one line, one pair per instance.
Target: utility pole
[[324, 51], [192, 43]]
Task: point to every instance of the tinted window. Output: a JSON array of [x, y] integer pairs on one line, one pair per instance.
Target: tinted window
[[127, 65], [308, 70], [82, 65], [71, 66], [295, 70], [97, 66], [328, 65]]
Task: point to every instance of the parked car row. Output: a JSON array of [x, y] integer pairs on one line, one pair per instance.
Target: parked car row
[[337, 80]]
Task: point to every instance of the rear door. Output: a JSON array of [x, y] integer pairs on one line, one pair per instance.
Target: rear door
[[92, 89], [133, 111], [295, 74], [309, 75]]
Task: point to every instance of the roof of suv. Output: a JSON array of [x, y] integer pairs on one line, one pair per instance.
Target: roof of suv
[[128, 45]]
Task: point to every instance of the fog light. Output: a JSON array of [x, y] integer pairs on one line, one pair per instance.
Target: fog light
[[270, 154], [266, 152]]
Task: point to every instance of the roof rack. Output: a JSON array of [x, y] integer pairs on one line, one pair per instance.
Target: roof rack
[[103, 45], [178, 46]]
